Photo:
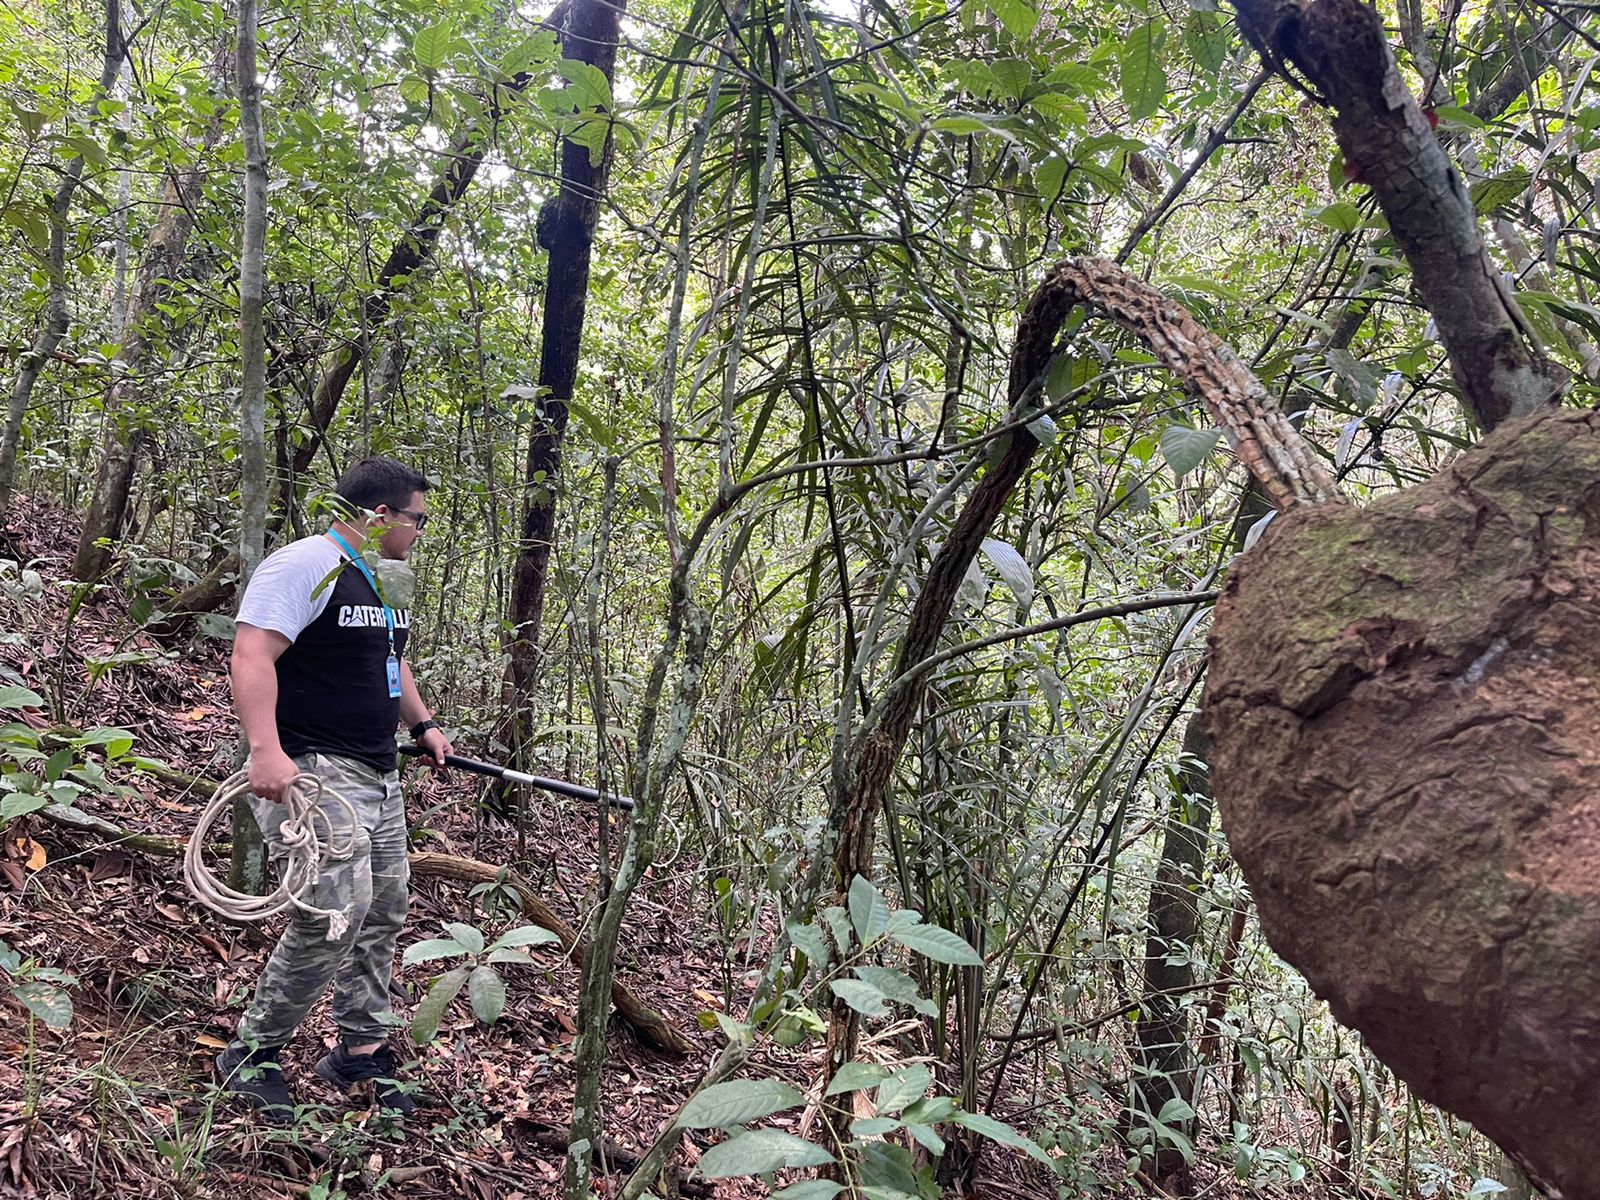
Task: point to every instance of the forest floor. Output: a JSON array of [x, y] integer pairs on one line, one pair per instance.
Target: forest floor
[[122, 1102]]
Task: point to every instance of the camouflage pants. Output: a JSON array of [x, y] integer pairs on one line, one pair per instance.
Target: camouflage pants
[[371, 885]]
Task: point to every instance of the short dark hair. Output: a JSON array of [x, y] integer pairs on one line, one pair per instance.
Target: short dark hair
[[378, 480]]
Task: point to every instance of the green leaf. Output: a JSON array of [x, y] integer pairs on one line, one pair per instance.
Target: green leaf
[[1018, 17], [20, 804], [897, 986], [855, 1077], [50, 1004], [533, 51], [758, 1151], [1341, 215], [1206, 36], [861, 996], [524, 935], [15, 698], [873, 1127], [903, 1087], [811, 1189], [114, 743], [1144, 77], [940, 945], [468, 935], [488, 994], [962, 125], [1185, 447], [999, 1131], [811, 942], [737, 1103], [1500, 190], [58, 764], [591, 135], [869, 911], [1011, 77], [839, 925], [431, 47], [1012, 567], [430, 1012], [588, 86]]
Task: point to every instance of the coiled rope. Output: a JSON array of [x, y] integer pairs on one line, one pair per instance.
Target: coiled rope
[[312, 844]]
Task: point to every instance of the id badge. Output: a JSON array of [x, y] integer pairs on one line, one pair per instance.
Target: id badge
[[394, 677]]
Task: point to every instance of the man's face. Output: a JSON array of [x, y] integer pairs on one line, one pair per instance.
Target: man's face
[[396, 541]]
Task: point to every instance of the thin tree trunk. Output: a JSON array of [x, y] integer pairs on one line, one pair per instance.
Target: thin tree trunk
[[1341, 48], [1165, 1060], [252, 296], [566, 229], [57, 318], [125, 435]]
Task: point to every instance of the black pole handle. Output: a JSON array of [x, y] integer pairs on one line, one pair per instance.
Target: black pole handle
[[496, 771]]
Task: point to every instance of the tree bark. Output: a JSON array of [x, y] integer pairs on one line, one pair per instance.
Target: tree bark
[[1166, 1060], [155, 280], [1340, 47], [252, 295], [57, 317], [566, 229]]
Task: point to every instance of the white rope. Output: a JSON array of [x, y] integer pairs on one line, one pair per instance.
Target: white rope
[[309, 851]]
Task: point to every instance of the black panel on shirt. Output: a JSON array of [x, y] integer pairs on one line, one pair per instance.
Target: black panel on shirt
[[333, 682]]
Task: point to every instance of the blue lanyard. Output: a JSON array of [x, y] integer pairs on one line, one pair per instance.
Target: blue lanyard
[[361, 565]]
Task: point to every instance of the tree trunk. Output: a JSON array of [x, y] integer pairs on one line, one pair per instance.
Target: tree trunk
[[566, 229], [57, 318], [1165, 1059], [252, 295], [125, 429], [1341, 48]]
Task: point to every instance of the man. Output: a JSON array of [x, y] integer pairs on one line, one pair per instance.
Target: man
[[319, 683]]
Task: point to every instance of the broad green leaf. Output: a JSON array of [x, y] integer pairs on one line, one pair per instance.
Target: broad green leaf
[[927, 1135], [431, 949], [469, 936], [1012, 568], [20, 804], [1175, 1111], [839, 925], [1011, 77], [524, 935], [971, 76], [1050, 178], [999, 1131], [738, 1103], [1500, 190], [963, 126], [1206, 36], [520, 958], [1018, 17], [869, 911], [1341, 215], [940, 945], [14, 697], [855, 1077], [591, 135], [1054, 104], [431, 1009], [873, 1127], [534, 50], [431, 47], [1144, 77], [488, 994], [589, 88], [897, 986], [811, 942], [861, 996], [758, 1151], [811, 1189], [1185, 447], [50, 1004], [903, 1087]]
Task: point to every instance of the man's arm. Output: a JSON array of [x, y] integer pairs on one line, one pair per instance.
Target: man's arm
[[413, 711], [255, 701]]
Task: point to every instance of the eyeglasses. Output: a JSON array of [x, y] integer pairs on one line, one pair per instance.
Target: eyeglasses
[[420, 520]]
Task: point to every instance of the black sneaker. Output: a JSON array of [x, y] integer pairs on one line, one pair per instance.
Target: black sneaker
[[345, 1070], [256, 1076]]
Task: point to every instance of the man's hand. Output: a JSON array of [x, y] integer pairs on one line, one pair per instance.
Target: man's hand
[[437, 746], [271, 773]]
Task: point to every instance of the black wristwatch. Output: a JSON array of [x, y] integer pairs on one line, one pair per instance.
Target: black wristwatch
[[422, 727]]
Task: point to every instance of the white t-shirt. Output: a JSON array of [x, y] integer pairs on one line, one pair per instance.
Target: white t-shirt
[[292, 586]]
